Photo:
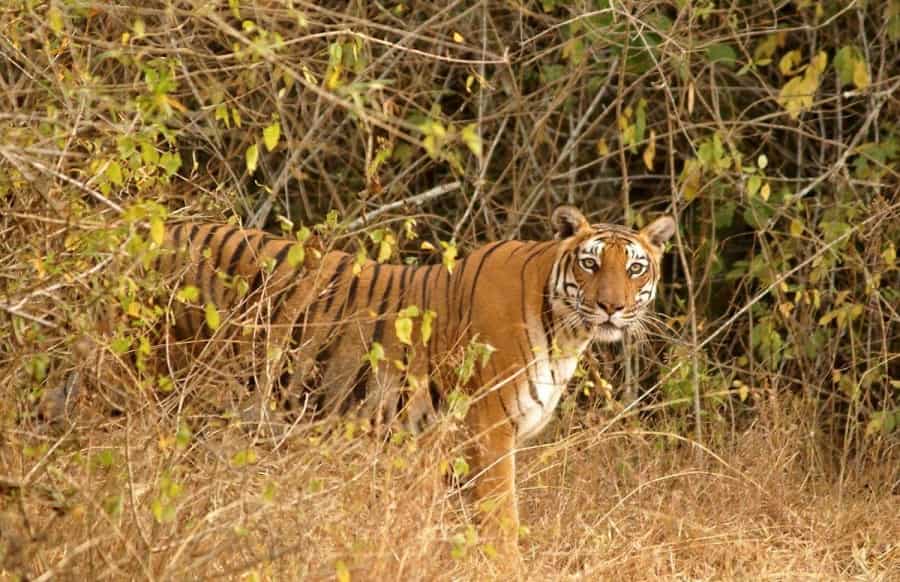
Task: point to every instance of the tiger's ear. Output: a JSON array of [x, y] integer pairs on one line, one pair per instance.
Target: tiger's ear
[[659, 231], [567, 220]]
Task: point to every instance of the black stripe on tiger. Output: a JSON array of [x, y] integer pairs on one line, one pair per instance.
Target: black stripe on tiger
[[547, 324], [539, 250], [381, 317], [476, 278], [376, 271], [334, 283], [207, 283], [532, 389], [509, 417]]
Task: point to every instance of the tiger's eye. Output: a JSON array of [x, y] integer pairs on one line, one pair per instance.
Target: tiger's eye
[[636, 269], [588, 264]]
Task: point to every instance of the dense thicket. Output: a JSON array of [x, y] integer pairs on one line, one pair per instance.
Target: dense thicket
[[769, 128]]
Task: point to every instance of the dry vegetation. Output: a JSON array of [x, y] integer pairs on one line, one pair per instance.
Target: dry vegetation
[[754, 435]]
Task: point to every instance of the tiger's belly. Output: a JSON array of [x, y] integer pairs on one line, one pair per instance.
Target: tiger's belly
[[549, 378]]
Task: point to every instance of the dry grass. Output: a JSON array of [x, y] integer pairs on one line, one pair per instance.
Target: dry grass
[[752, 435], [604, 501]]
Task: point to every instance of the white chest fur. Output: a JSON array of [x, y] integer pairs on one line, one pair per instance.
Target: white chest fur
[[549, 378]]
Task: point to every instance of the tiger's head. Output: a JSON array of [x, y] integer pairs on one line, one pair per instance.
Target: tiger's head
[[606, 276]]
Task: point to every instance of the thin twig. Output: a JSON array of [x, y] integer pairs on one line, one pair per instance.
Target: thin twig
[[416, 200]]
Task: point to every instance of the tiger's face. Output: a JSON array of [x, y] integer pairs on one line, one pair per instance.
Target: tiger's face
[[606, 279]]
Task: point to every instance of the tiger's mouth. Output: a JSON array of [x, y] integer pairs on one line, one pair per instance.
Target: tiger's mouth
[[605, 328]]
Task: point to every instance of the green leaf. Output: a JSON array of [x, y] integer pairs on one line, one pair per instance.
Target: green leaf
[[640, 121], [722, 53], [252, 157], [411, 311], [38, 367], [844, 62], [403, 326], [460, 467], [149, 155], [243, 458], [162, 512], [753, 185], [120, 345], [271, 134], [188, 294], [170, 163], [114, 173], [375, 355], [55, 18], [892, 16]]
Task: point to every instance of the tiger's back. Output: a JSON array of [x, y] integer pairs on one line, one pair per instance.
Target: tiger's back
[[329, 316]]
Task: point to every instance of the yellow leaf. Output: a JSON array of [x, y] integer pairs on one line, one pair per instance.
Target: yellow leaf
[[55, 18], [796, 96], [449, 256], [157, 230], [765, 191], [765, 50], [889, 254], [188, 294], [252, 156], [790, 60], [38, 264], [650, 152], [860, 75], [271, 134], [213, 319], [403, 326], [175, 103], [333, 80], [114, 173], [386, 248], [817, 64], [341, 572], [427, 325], [471, 138], [296, 255], [602, 147], [426, 246], [690, 179], [796, 228], [457, 37]]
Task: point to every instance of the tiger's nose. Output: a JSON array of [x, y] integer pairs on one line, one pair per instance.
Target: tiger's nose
[[610, 308]]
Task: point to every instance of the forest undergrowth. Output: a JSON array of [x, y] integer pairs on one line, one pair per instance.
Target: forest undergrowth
[[752, 433]]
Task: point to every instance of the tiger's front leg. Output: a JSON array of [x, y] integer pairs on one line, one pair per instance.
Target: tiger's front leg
[[495, 468]]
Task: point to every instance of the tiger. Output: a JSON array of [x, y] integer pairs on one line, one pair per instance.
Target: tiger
[[536, 305]]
